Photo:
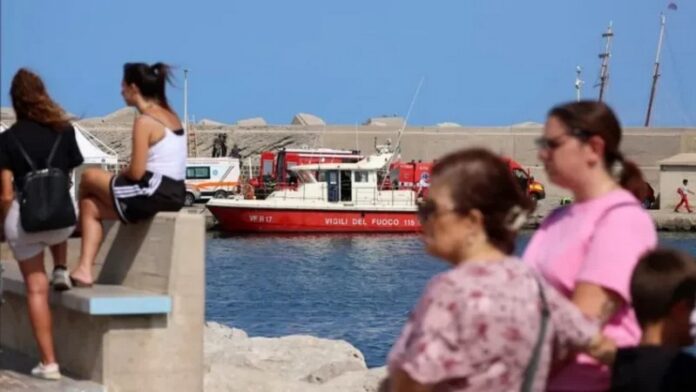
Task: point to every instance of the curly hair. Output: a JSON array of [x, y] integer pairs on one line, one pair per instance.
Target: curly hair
[[32, 102]]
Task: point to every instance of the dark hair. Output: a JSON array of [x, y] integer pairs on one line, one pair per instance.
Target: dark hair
[[685, 181], [481, 180], [150, 79], [31, 101], [661, 279], [597, 119]]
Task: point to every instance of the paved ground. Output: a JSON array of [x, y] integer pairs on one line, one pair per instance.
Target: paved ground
[[14, 377]]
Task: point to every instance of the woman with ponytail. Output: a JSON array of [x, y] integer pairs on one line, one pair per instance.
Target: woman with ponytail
[[588, 250], [152, 182]]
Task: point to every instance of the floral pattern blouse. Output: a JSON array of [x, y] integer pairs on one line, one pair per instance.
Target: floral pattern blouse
[[475, 327]]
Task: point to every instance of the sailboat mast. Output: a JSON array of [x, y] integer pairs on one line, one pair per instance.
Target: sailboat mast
[[604, 70], [656, 70]]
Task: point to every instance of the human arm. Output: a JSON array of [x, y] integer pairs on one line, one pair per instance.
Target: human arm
[[6, 192], [400, 381], [141, 139], [619, 240], [596, 301]]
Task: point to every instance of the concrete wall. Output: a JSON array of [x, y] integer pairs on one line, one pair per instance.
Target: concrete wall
[[132, 353], [670, 179]]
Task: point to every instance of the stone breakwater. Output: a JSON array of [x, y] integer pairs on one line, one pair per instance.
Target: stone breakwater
[[298, 363]]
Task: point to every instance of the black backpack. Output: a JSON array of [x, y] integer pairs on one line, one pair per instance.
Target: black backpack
[[44, 195]]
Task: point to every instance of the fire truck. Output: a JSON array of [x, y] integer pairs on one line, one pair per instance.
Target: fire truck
[[416, 175], [274, 167]]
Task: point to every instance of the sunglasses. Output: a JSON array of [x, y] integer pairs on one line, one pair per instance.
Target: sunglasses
[[428, 209], [550, 144]]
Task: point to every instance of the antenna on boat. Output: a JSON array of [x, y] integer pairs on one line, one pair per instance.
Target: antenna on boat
[[578, 83], [656, 69], [604, 70], [397, 147]]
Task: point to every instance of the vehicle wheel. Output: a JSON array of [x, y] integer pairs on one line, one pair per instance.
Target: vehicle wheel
[[220, 194], [189, 199]]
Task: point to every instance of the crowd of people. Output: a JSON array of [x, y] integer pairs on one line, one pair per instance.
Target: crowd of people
[[591, 305]]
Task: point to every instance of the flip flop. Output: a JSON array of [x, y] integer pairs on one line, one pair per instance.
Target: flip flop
[[80, 284]]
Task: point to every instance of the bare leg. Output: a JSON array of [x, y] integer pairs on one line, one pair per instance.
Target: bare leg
[[59, 252], [36, 282], [92, 212], [95, 206]]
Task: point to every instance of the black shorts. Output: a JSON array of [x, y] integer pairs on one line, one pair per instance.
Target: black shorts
[[138, 200]]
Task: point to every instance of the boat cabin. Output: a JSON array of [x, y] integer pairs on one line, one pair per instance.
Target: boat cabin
[[358, 183]]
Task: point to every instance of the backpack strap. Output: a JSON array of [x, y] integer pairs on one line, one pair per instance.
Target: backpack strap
[[53, 149], [22, 150], [533, 365]]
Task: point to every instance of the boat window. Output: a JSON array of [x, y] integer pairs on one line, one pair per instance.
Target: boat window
[[198, 173], [321, 176], [267, 169], [305, 177], [361, 176]]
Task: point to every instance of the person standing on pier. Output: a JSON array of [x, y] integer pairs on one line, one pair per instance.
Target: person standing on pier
[[588, 249], [684, 192], [41, 138], [154, 179]]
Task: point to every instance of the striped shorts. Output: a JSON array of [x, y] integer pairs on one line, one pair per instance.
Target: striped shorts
[[138, 200]]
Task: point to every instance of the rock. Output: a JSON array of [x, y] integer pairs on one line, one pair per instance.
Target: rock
[[236, 362], [358, 381]]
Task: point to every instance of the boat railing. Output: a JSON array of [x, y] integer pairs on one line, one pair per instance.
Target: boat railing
[[359, 197]]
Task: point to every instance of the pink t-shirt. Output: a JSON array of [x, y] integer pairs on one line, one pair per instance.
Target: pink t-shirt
[[597, 241], [475, 327]]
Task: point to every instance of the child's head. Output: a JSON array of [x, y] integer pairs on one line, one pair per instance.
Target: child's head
[[685, 181], [663, 290]]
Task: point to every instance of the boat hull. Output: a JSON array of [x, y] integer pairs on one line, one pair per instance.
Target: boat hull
[[272, 220]]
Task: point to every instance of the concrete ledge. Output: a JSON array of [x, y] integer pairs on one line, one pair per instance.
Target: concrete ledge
[[104, 300], [140, 328]]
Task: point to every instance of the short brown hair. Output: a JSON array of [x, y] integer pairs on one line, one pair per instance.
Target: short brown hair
[[662, 278], [479, 179]]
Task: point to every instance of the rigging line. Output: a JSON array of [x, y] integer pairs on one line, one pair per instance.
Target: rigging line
[[679, 79]]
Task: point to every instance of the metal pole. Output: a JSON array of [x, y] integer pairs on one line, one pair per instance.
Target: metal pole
[[656, 70], [604, 70], [578, 83], [186, 99]]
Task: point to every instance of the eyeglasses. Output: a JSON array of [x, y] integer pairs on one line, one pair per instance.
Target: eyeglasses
[[550, 144], [428, 209]]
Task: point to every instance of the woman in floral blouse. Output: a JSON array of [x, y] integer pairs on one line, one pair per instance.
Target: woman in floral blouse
[[477, 325]]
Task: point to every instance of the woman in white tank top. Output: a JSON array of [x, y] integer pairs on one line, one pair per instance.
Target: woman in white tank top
[[154, 179]]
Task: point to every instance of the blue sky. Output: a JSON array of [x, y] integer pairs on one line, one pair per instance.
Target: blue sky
[[493, 62]]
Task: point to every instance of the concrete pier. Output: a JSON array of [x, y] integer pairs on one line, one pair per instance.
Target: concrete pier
[[140, 328]]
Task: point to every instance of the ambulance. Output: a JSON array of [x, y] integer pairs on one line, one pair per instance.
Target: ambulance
[[211, 178]]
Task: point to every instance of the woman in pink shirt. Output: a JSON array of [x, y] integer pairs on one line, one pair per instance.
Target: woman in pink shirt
[[588, 250], [488, 323]]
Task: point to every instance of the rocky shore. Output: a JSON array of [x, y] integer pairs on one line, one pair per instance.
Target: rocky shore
[[299, 363]]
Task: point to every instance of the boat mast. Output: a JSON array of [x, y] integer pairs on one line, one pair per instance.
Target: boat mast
[[578, 83], [656, 70], [604, 70], [397, 148]]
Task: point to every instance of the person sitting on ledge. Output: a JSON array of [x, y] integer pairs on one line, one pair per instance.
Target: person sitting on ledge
[[154, 179]]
